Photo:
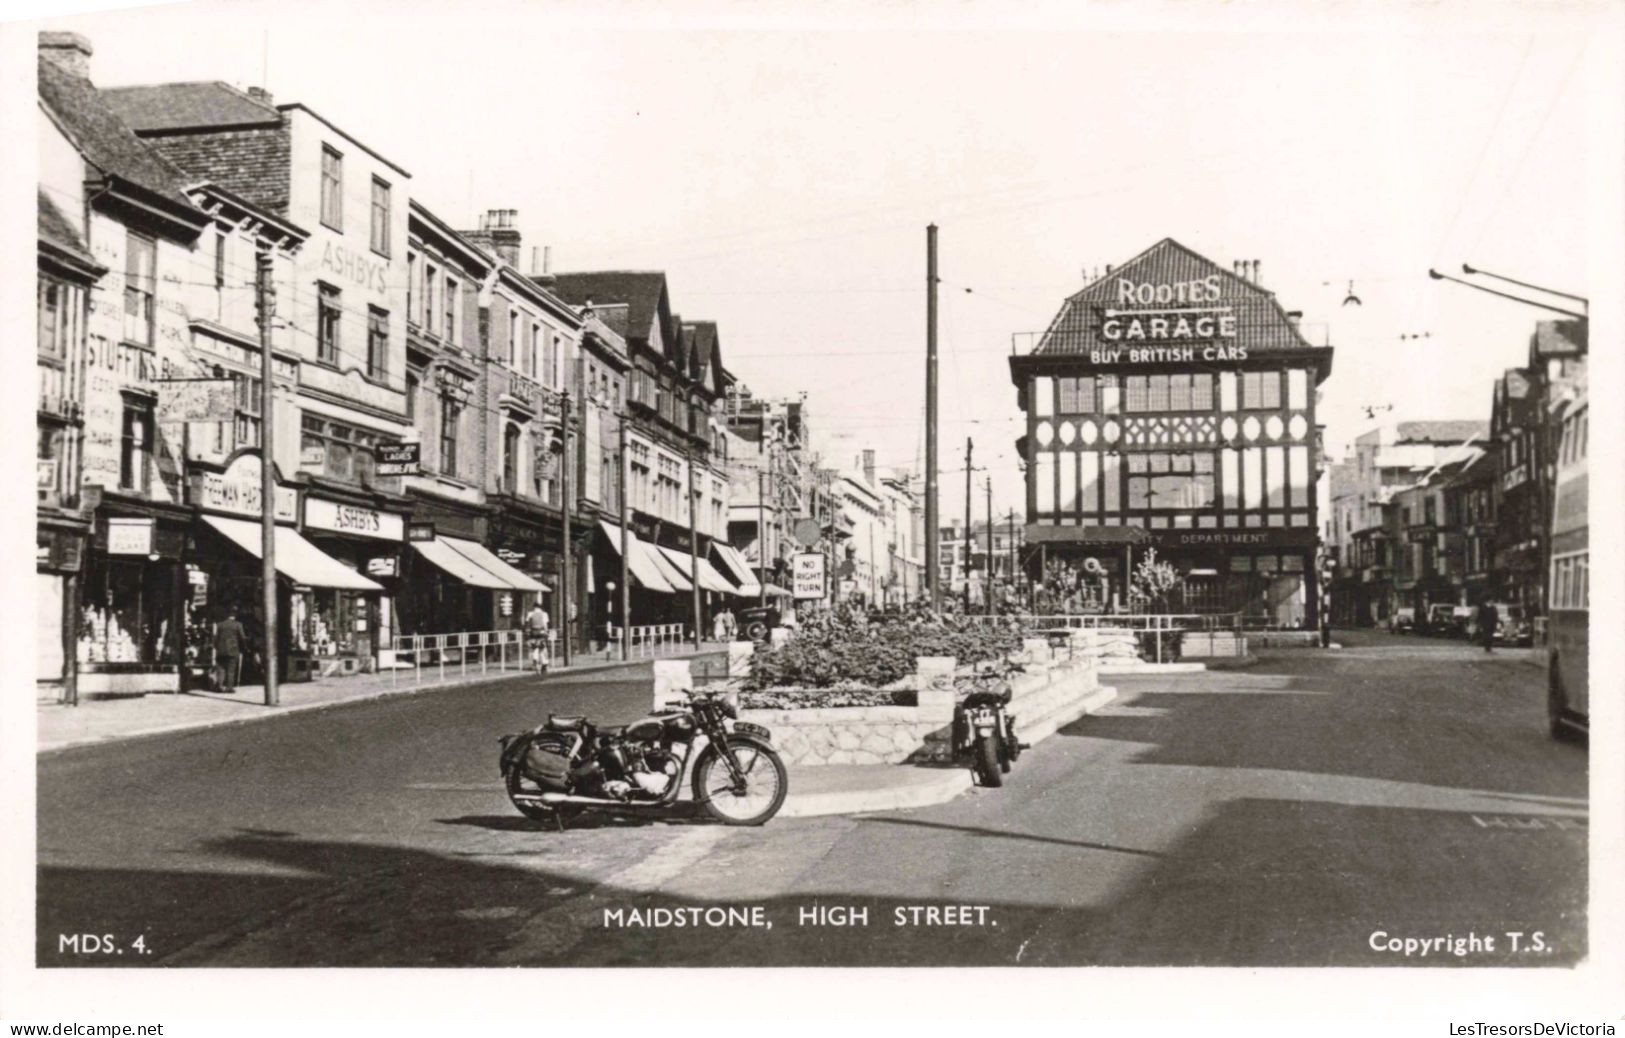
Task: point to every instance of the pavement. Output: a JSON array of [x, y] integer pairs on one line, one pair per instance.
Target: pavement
[[1318, 808]]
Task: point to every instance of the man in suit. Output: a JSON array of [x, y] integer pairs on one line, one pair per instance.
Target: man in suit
[[229, 638]]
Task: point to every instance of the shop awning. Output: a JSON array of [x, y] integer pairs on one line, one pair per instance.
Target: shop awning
[[738, 570], [454, 562], [778, 592], [710, 579], [675, 576], [490, 561], [296, 558], [640, 561]]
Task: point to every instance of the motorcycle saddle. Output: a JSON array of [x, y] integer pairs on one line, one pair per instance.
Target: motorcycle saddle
[[560, 723]]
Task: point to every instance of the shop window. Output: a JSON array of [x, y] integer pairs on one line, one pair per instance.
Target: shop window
[[249, 410], [332, 188], [328, 313], [377, 343], [380, 216], [1297, 389], [140, 282], [135, 447]]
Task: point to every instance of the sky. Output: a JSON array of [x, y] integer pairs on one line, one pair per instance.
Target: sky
[[781, 168]]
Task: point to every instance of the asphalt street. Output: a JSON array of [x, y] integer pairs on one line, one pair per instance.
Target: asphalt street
[[1321, 808]]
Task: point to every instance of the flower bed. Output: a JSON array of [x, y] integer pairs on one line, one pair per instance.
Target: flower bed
[[846, 651], [820, 698]]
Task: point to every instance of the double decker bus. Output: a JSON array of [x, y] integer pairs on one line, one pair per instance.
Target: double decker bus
[[1568, 612]]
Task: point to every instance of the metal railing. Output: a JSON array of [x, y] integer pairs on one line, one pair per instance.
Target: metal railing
[[487, 650], [650, 641]]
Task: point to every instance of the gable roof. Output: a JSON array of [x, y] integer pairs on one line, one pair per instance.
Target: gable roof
[[104, 139], [1448, 432], [1261, 324], [1558, 339], [54, 227], [166, 107], [643, 292]]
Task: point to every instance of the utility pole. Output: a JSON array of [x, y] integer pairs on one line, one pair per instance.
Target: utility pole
[[262, 284], [626, 546], [931, 519], [989, 545], [762, 480], [567, 593], [970, 537], [1014, 585], [693, 544]]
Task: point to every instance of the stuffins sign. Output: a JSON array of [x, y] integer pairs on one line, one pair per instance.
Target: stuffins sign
[[807, 575]]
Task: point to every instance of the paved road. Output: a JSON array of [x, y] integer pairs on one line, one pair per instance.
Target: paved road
[[1281, 815]]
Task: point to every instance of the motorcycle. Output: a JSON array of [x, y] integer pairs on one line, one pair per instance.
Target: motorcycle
[[985, 730], [567, 764]]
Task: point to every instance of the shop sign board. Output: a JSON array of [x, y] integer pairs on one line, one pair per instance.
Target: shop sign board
[[807, 575], [197, 400], [382, 566], [420, 531], [322, 514], [237, 490], [505, 603], [45, 473], [129, 536], [399, 459]]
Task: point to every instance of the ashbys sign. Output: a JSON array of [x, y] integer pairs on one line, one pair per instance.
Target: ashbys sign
[[1147, 312], [237, 490], [321, 514]]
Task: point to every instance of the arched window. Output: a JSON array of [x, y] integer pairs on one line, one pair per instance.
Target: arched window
[[510, 458]]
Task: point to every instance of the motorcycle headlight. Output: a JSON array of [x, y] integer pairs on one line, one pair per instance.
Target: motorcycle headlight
[[728, 709]]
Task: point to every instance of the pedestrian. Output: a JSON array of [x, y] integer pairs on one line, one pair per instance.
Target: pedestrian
[[1488, 619], [537, 624], [229, 638]]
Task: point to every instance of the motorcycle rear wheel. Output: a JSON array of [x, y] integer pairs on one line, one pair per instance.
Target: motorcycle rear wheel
[[987, 761], [766, 784], [511, 781]]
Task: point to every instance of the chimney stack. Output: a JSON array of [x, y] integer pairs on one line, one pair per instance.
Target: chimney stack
[[869, 467], [68, 51], [260, 94], [1254, 278], [547, 260], [499, 232]]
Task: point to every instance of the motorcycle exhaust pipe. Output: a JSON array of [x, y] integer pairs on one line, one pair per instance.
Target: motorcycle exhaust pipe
[[554, 799]]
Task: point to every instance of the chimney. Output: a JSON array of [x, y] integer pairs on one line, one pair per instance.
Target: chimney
[[260, 94], [869, 467], [1254, 278], [499, 233], [535, 260], [1293, 317], [68, 51], [547, 260]]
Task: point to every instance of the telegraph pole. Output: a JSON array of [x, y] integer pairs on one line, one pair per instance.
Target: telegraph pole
[[762, 480], [262, 284], [967, 525], [566, 596], [932, 574], [626, 547], [693, 545], [989, 545]]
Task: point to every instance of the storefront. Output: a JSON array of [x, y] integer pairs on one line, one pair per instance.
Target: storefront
[[131, 617], [346, 629], [1171, 406], [528, 536], [466, 585], [59, 553]]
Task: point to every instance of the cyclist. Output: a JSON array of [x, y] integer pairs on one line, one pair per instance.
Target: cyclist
[[537, 624]]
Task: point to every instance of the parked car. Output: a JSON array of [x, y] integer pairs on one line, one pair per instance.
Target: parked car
[[1402, 621], [1442, 620]]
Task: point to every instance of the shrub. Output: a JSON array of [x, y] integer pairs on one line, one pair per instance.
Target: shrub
[[845, 649]]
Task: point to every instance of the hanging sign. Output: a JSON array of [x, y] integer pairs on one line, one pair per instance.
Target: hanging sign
[[129, 536], [399, 459], [420, 531], [382, 566], [807, 575]]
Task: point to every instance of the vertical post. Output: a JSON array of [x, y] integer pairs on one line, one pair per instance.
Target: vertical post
[[262, 284], [1015, 584], [567, 592], [626, 546], [762, 480], [989, 486], [70, 626], [693, 544], [970, 537], [931, 519]]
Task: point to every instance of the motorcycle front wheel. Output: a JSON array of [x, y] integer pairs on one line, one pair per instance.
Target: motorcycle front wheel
[[987, 761], [766, 783]]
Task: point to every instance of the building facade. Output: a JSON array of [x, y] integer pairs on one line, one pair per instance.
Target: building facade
[[1171, 406]]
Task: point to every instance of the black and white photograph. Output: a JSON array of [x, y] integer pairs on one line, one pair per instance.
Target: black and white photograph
[[535, 491]]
